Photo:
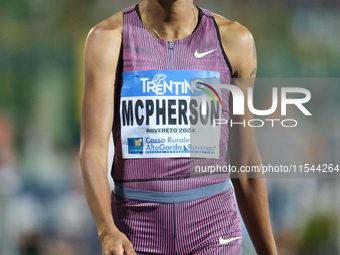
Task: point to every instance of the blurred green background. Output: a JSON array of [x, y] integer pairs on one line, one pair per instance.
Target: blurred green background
[[42, 205]]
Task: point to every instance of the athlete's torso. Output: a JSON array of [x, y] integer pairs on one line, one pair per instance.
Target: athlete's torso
[[143, 52]]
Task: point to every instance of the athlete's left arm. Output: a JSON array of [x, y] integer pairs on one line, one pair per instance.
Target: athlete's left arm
[[251, 193]]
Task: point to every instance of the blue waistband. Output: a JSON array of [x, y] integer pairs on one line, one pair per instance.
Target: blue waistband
[[171, 197]]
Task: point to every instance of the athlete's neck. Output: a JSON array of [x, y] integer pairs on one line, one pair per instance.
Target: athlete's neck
[[172, 19]]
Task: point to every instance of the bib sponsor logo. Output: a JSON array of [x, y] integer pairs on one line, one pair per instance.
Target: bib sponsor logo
[[135, 145]]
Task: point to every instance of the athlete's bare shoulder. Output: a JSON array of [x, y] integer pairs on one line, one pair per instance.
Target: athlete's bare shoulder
[[108, 29], [103, 43], [237, 41], [232, 31]]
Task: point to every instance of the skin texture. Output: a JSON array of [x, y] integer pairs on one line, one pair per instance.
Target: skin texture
[[102, 57]]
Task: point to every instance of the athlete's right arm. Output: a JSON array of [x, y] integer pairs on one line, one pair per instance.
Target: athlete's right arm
[[101, 57]]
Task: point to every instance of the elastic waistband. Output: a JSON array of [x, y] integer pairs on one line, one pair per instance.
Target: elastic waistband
[[171, 197]]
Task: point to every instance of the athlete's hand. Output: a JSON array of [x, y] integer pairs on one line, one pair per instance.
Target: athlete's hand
[[117, 244]]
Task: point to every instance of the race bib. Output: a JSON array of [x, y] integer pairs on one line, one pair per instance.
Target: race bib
[[169, 114]]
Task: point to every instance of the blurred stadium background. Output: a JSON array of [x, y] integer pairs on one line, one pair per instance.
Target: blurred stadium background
[[43, 210]]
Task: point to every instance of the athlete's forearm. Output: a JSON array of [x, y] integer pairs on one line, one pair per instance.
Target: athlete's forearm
[[97, 192], [252, 199]]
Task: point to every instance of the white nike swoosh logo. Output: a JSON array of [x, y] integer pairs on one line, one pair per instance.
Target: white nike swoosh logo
[[225, 241], [201, 55]]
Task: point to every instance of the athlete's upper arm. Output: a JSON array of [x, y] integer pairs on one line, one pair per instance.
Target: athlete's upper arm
[[238, 43], [101, 56]]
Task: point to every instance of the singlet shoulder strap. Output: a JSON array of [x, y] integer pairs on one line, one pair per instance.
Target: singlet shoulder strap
[[130, 9], [210, 15], [132, 16]]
